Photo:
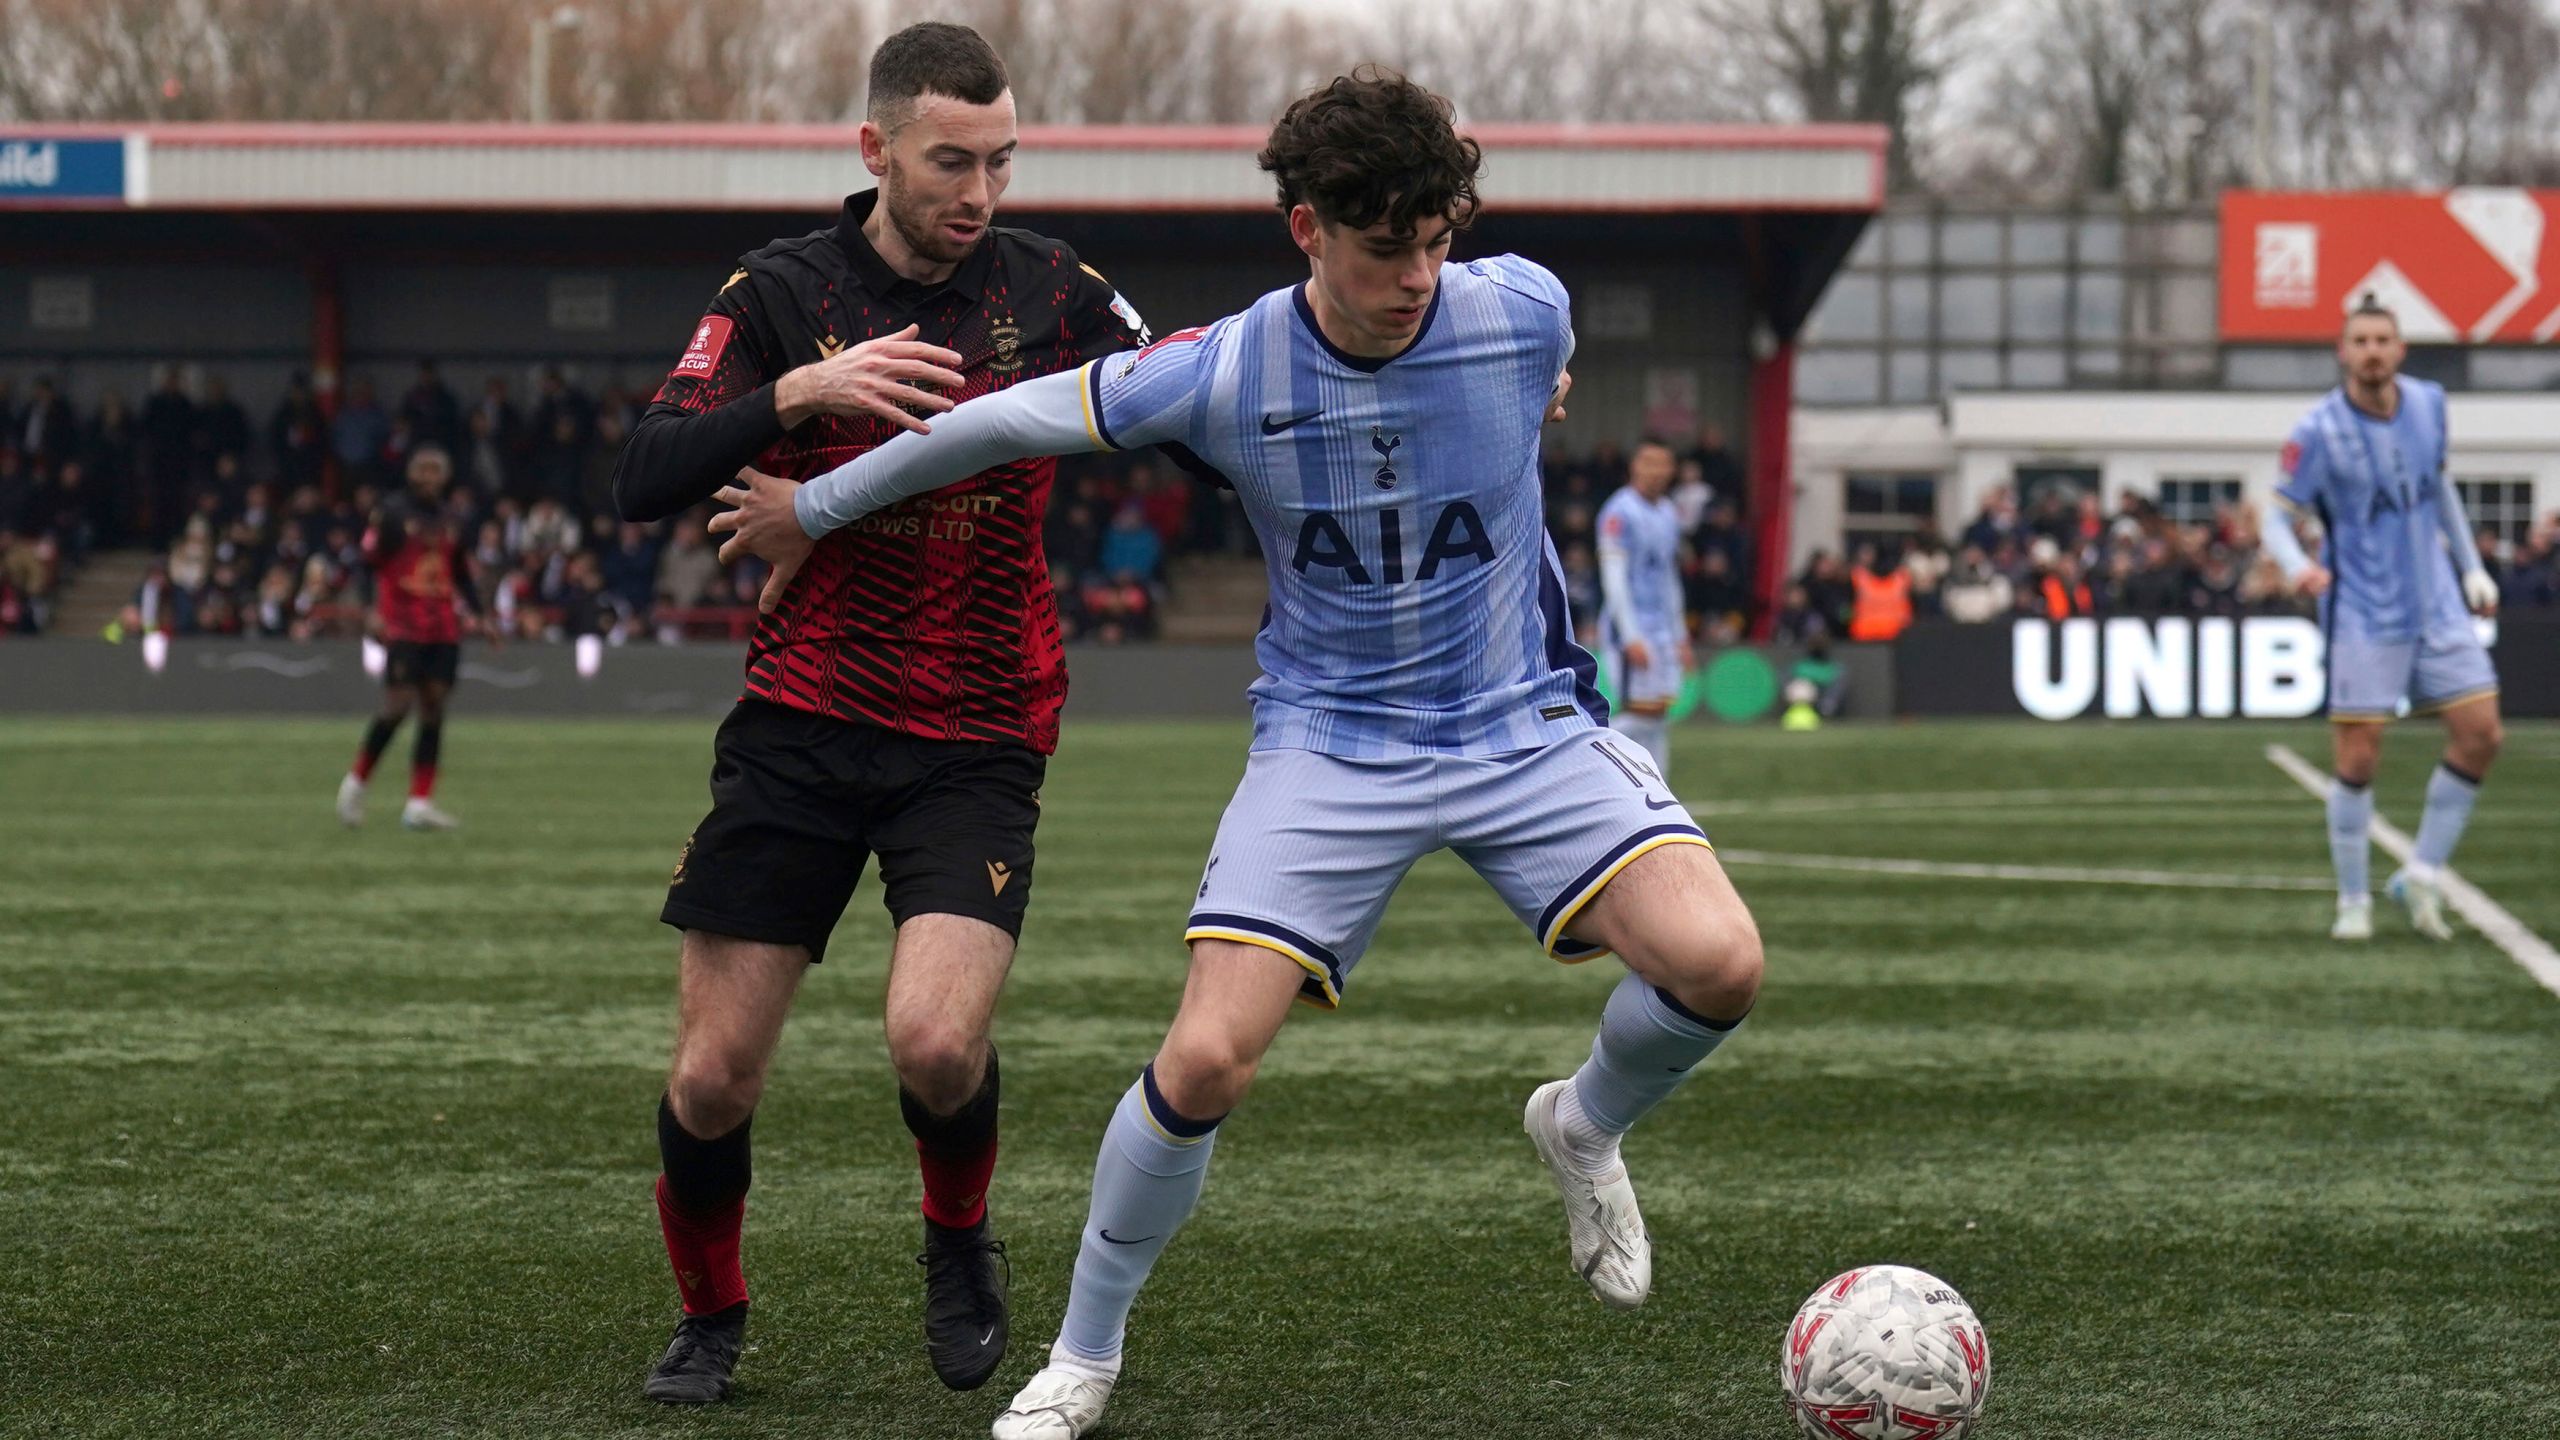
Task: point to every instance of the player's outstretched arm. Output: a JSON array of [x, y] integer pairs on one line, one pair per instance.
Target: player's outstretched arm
[[2275, 535], [780, 520], [2478, 590], [1047, 416]]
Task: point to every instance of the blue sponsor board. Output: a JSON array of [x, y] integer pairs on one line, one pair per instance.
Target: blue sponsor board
[[37, 169]]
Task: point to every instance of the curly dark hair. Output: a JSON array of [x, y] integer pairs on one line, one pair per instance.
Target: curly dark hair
[[1372, 146], [932, 58]]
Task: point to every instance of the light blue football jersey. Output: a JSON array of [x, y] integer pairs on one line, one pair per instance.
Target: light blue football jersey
[[1647, 533], [2377, 486], [1417, 606]]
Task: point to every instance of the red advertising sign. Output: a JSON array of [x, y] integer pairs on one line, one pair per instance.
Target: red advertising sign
[[2461, 267]]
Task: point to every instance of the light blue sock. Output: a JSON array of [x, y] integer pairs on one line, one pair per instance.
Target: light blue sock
[[1146, 1182], [1653, 732], [2450, 794], [1647, 1045], [2350, 818]]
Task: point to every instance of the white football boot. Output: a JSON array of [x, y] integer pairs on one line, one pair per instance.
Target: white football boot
[[1610, 1249], [351, 802], [1063, 1402], [2355, 919], [2422, 895], [421, 814]]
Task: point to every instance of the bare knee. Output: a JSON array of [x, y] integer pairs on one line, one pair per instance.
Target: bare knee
[[1713, 969], [714, 1088], [2475, 747], [1204, 1076], [940, 1063], [2356, 753]]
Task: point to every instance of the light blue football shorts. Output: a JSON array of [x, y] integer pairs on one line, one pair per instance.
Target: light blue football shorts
[[2368, 679], [1312, 845], [1656, 682]]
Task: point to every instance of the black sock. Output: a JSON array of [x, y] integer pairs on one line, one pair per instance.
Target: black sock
[[963, 1132], [703, 1176], [429, 746], [377, 738]]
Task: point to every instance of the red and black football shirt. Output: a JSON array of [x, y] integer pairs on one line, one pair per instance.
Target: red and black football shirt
[[935, 617], [417, 573]]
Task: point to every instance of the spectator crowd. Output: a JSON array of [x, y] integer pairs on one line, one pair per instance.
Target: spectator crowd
[[2067, 555], [258, 528]]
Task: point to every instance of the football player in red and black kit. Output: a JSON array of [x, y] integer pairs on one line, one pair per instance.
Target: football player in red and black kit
[[902, 699], [421, 602]]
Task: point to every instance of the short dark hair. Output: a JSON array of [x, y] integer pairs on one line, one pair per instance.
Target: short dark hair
[[1372, 146], [2370, 306], [932, 58]]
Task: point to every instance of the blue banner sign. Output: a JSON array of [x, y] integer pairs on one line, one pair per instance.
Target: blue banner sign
[[36, 169]]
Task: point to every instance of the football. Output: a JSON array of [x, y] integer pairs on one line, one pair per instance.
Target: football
[[1885, 1352]]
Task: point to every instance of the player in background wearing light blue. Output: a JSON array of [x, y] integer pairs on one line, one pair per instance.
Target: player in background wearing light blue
[[2399, 578], [1644, 628], [1420, 691]]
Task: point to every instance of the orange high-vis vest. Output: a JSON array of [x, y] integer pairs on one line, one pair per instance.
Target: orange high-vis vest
[[1882, 608]]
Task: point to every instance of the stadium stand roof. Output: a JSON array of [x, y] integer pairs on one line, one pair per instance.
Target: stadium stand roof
[[1551, 168]]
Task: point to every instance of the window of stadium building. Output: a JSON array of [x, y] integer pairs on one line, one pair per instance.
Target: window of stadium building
[[1888, 507], [2065, 481], [2500, 503], [1932, 303], [2192, 499]]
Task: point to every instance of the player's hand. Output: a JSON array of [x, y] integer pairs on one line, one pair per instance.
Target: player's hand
[[1688, 656], [764, 525], [1555, 402], [2313, 582], [883, 378], [2480, 592], [1639, 655]]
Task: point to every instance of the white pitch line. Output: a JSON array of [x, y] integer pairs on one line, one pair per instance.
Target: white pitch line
[[2486, 915], [1950, 800], [2054, 874]]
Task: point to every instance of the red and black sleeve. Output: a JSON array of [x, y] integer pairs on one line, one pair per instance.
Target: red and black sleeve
[[715, 413], [1099, 319]]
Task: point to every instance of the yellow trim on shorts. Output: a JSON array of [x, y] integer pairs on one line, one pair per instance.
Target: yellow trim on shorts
[[2438, 707], [1324, 979], [1592, 891], [1084, 392], [2363, 717]]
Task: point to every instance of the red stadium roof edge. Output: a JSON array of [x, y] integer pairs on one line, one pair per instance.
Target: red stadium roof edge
[[180, 134]]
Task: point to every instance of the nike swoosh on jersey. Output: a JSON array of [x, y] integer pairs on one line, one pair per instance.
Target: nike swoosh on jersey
[[1652, 804], [1112, 1239], [1274, 424]]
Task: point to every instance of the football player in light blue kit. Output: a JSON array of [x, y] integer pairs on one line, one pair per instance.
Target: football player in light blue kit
[[2398, 579], [1420, 691], [1644, 627]]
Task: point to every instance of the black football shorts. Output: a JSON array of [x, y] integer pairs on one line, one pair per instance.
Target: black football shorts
[[799, 801], [417, 662]]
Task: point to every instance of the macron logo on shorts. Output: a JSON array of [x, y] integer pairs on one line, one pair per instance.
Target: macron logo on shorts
[[709, 339]]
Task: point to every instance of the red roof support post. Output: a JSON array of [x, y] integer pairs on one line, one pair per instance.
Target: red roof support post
[[1773, 500], [328, 356]]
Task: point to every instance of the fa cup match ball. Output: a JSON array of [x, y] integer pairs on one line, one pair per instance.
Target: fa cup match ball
[[1885, 1352]]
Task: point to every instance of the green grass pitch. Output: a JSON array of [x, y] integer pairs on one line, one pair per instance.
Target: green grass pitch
[[330, 1134]]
